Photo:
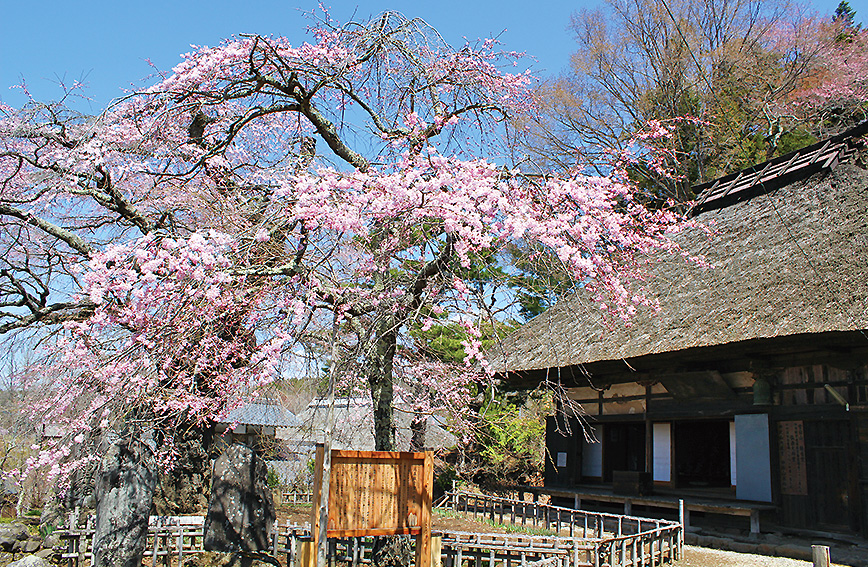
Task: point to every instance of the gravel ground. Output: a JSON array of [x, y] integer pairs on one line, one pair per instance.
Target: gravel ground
[[705, 557]]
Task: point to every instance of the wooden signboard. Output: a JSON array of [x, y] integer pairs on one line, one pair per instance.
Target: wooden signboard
[[791, 448], [374, 493]]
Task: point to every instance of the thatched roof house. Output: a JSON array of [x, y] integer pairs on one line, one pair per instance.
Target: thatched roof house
[[783, 261], [751, 381]]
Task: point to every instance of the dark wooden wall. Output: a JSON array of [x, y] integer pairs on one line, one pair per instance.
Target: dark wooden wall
[[563, 435]]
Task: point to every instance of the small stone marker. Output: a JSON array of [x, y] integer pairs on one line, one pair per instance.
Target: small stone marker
[[241, 510]]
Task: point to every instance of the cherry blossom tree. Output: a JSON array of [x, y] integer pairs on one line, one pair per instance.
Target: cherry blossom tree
[[262, 200], [834, 96]]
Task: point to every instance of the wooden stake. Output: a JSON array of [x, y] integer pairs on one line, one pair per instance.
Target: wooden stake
[[821, 555], [321, 535]]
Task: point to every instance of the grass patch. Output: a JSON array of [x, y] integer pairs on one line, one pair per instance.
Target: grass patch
[[507, 527]]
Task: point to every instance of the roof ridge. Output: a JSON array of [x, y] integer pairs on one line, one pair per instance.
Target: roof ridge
[[774, 173]]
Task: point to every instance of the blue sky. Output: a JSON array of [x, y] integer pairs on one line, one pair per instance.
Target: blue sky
[[105, 44]]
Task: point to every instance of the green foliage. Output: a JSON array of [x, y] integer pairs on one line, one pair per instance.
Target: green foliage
[[538, 279], [511, 438], [713, 73], [272, 478], [795, 140], [443, 342], [845, 17], [443, 480], [511, 435]]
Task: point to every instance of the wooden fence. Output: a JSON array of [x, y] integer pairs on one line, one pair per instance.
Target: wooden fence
[[172, 537], [577, 538], [295, 497]]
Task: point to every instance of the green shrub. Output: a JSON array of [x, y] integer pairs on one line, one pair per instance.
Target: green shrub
[[443, 480], [272, 478]]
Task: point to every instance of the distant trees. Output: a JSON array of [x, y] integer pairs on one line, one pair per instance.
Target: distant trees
[[733, 81], [834, 96]]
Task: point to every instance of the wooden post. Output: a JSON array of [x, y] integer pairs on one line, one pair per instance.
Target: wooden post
[[821, 555], [437, 551], [311, 556], [156, 547], [276, 535], [320, 534], [306, 553], [292, 552], [754, 523], [70, 549], [423, 540], [181, 545], [649, 434], [623, 552]]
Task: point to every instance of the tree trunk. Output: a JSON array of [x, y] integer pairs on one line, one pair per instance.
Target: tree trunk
[[418, 428], [184, 489], [388, 551], [124, 493], [382, 389]]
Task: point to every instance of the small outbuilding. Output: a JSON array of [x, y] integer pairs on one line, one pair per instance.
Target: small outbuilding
[[255, 424], [353, 427]]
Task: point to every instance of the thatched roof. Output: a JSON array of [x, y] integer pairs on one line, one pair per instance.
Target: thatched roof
[[787, 263]]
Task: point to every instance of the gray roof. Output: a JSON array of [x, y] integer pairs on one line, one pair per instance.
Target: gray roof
[[262, 412], [789, 262], [354, 426]]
